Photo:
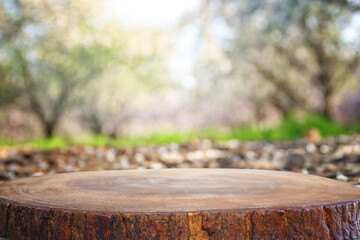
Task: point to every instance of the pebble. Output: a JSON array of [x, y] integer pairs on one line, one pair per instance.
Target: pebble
[[37, 174], [250, 154], [341, 177], [139, 158], [81, 164], [311, 148], [111, 155], [294, 160], [156, 165], [325, 149], [337, 158]]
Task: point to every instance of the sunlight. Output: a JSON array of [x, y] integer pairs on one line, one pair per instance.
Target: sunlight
[[156, 13]]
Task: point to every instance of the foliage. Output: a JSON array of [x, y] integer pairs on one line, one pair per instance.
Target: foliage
[[47, 58], [107, 104], [289, 55], [61, 57]]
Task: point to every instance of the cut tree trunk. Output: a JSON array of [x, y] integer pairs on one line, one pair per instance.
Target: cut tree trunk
[[179, 204]]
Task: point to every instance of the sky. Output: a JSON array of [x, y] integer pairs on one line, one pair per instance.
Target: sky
[[164, 14]]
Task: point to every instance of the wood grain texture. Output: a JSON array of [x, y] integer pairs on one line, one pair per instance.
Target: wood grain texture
[[179, 204]]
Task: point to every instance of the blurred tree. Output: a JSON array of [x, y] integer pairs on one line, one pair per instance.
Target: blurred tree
[[8, 92], [48, 51], [108, 103], [10, 26], [293, 53], [104, 107]]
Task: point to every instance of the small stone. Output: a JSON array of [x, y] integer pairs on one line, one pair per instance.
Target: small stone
[[184, 165], [225, 162], [156, 165], [11, 175], [313, 135], [172, 158], [304, 171], [174, 147], [269, 148], [124, 162], [233, 144], [68, 168], [356, 149], [13, 167], [43, 165], [293, 161], [214, 165], [325, 149], [206, 143], [139, 158], [338, 160], [212, 154], [347, 149], [198, 165], [111, 155], [331, 167], [194, 156], [4, 177], [115, 166], [81, 164], [341, 177], [310, 147], [278, 156], [37, 174], [72, 161], [242, 164], [250, 155], [99, 156]]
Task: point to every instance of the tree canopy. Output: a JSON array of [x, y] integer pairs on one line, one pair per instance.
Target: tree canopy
[[288, 51], [50, 52]]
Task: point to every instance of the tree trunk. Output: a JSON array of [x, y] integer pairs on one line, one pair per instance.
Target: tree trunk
[[96, 129], [49, 129], [94, 122], [327, 104], [179, 204], [113, 132], [113, 135], [48, 124]]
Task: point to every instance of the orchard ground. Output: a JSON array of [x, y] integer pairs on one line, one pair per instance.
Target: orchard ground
[[313, 145], [289, 128]]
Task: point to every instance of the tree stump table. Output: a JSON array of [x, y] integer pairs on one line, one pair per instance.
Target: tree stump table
[[179, 204]]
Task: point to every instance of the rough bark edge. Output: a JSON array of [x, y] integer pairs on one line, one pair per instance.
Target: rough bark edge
[[332, 221]]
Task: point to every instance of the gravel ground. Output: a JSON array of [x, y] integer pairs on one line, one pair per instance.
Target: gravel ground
[[337, 158]]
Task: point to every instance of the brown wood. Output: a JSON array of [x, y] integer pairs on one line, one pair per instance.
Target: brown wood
[[179, 204]]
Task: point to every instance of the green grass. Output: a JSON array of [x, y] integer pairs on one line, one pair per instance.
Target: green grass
[[5, 142], [289, 128], [292, 128], [48, 144]]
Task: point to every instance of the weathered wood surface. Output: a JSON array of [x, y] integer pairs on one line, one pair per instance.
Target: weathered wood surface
[[179, 204]]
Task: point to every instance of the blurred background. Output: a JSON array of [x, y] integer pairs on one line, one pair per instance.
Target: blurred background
[[124, 74]]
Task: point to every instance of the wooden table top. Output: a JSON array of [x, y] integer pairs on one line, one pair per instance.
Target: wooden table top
[[176, 190]]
